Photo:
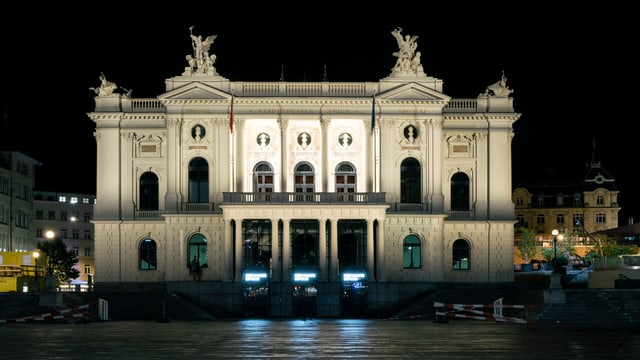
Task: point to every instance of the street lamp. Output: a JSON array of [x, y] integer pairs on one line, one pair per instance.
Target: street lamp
[[50, 235], [36, 255], [554, 232], [50, 279]]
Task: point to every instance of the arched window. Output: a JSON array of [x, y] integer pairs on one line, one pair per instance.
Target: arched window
[[460, 192], [460, 255], [148, 255], [411, 252], [263, 179], [304, 181], [198, 180], [410, 181], [345, 181], [148, 191], [198, 249]]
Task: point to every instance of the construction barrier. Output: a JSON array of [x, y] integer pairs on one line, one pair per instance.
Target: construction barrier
[[103, 309], [476, 311], [71, 313]]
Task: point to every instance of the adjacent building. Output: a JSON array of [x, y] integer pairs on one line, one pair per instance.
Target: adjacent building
[[17, 182], [318, 197], [26, 215], [575, 209], [67, 216]]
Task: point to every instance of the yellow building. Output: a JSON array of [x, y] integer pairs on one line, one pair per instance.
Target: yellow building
[[22, 271]]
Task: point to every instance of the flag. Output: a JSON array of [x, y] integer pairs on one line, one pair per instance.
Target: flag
[[373, 113], [231, 116]]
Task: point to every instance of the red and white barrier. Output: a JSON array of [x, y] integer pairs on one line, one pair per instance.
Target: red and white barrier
[[76, 312], [476, 311]]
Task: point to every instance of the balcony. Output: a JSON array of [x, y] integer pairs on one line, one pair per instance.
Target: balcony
[[306, 198]]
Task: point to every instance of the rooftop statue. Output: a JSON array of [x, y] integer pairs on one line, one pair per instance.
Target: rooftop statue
[[106, 88], [499, 89], [201, 61], [408, 58]]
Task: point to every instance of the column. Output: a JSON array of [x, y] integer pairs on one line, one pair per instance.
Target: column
[[286, 251], [171, 200], [323, 250], [370, 254], [237, 274], [276, 272], [435, 165], [334, 250], [227, 251], [380, 276], [129, 177]]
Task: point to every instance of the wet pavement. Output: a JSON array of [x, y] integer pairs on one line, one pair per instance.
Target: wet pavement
[[314, 339]]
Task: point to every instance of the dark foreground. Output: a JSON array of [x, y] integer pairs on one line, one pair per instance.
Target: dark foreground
[[314, 339]]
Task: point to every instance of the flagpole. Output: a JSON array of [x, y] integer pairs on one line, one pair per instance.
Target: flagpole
[[232, 149]]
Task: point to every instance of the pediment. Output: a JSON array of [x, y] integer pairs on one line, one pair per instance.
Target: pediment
[[413, 92], [194, 91]]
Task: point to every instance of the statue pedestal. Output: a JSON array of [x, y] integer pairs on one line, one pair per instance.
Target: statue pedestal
[[50, 297], [555, 293]]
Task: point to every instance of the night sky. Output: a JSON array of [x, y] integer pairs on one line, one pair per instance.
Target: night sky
[[572, 72]]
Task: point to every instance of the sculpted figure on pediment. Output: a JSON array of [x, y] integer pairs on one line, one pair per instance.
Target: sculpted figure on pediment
[[408, 61], [201, 61], [106, 87], [499, 89]]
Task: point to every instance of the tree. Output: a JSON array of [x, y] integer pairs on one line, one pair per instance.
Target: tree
[[60, 260], [527, 245]]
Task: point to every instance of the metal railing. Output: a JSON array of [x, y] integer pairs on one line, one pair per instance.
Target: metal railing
[[319, 198]]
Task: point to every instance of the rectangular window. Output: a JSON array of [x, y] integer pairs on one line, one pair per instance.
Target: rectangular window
[[87, 251], [76, 251], [577, 220], [75, 233], [560, 219], [540, 219], [87, 234], [52, 215], [87, 269], [601, 218]]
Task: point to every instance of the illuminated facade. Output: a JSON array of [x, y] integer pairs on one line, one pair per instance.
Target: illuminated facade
[[303, 196], [17, 182], [576, 210], [69, 216]]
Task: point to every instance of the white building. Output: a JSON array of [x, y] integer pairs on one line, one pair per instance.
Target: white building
[[279, 189]]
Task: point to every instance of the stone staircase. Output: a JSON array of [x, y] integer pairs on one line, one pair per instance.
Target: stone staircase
[[594, 307]]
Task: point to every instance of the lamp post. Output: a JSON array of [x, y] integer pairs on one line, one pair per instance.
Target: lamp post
[[36, 255], [50, 235], [554, 232], [50, 279]]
